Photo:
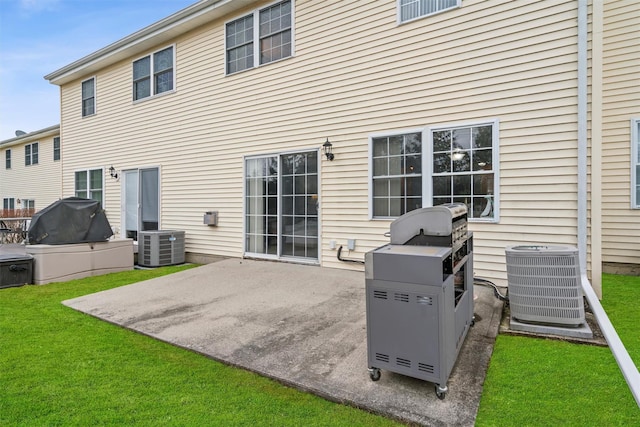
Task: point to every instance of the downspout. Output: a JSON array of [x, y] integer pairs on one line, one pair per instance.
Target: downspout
[[625, 363]]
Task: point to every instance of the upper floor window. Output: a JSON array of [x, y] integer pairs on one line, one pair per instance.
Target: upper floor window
[[88, 184], [635, 163], [56, 148], [153, 74], [265, 34], [412, 9], [28, 204], [7, 159], [31, 154], [89, 97]]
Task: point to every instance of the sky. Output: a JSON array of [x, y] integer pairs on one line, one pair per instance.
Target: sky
[[38, 37]]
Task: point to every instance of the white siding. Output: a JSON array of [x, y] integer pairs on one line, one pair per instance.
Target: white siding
[[621, 103], [355, 73], [40, 182]]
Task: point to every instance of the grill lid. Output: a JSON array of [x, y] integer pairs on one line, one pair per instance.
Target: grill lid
[[430, 221]]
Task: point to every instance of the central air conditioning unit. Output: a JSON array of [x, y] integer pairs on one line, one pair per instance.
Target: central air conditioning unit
[[545, 287], [160, 247]]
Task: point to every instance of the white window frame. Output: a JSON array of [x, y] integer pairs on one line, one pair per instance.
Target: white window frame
[[397, 132], [152, 74], [31, 162], [26, 202], [495, 158], [95, 95], [89, 189], [423, 15], [256, 37], [635, 162], [427, 164], [56, 151], [8, 159], [9, 201]]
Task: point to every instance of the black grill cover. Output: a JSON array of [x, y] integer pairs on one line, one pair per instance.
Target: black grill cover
[[70, 220]]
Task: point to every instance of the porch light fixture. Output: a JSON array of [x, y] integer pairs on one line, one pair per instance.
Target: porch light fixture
[[327, 147], [113, 173]]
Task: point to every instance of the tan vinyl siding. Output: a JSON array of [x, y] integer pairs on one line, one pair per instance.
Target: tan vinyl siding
[[355, 72], [621, 104], [40, 182]]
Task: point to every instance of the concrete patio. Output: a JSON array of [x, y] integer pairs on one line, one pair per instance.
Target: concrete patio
[[304, 326]]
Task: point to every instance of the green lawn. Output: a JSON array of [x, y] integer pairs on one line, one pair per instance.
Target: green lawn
[[539, 382], [59, 367]]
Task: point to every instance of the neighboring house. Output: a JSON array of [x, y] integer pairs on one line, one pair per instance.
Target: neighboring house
[[522, 110], [31, 170]]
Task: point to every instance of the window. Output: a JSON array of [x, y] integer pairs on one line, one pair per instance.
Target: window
[[635, 163], [397, 174], [7, 159], [8, 203], [89, 97], [88, 184], [153, 74], [28, 204], [412, 9], [272, 40], [462, 168], [31, 154], [56, 148], [453, 164]]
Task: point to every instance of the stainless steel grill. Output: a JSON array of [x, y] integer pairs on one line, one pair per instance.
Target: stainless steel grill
[[419, 295]]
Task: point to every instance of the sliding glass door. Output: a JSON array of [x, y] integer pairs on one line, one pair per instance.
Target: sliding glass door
[[281, 206], [141, 201]]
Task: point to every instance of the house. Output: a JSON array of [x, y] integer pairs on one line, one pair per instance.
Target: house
[[31, 171], [307, 125]]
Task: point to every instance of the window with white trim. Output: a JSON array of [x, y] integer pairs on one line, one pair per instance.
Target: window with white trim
[[7, 159], [89, 97], [265, 34], [56, 148], [453, 164], [153, 74], [28, 204], [412, 9], [463, 168], [8, 203], [397, 174], [31, 154], [88, 184], [635, 163]]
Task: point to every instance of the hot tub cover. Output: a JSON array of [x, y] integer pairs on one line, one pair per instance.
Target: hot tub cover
[[70, 220]]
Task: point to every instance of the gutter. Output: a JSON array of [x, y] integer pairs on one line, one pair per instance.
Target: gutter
[[625, 363]]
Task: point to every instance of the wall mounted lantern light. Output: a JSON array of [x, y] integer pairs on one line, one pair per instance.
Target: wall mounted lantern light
[[113, 173], [327, 147]]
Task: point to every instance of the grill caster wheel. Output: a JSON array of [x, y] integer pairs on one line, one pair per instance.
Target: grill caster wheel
[[473, 321], [374, 374], [441, 392]]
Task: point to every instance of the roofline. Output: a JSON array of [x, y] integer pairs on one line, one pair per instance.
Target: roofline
[[180, 22], [42, 133]]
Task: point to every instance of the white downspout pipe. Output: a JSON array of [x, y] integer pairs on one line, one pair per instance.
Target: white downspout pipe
[[625, 363]]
